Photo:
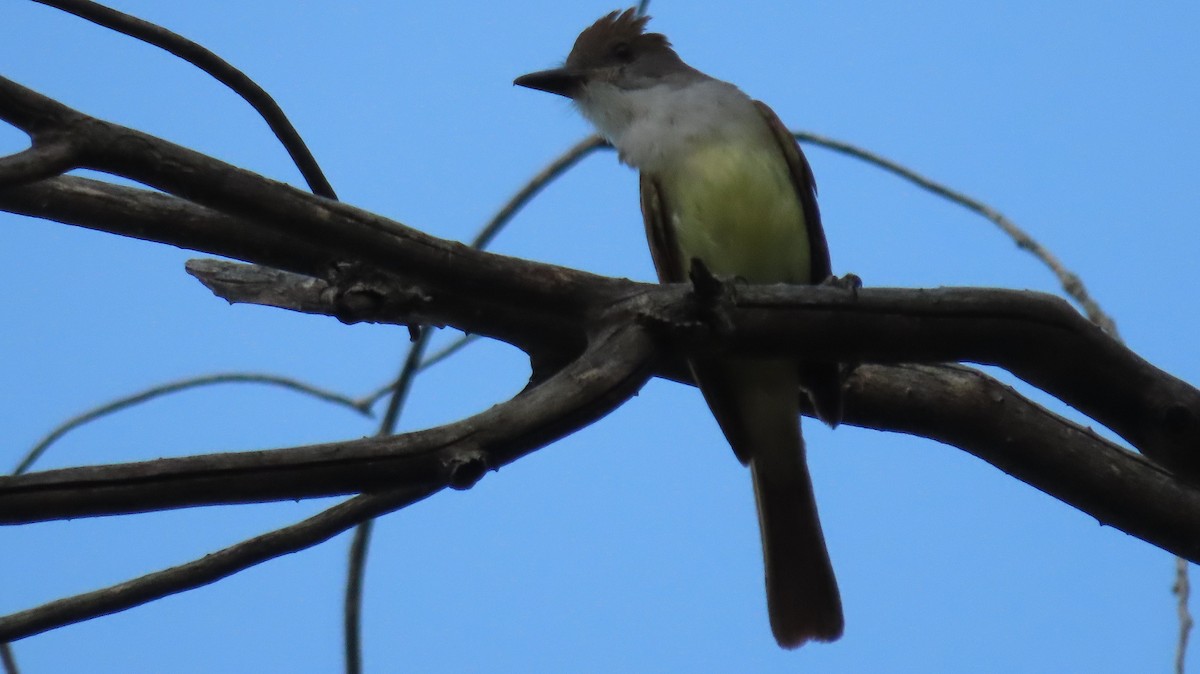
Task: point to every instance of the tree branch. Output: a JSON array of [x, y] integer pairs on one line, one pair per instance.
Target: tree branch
[[454, 455], [210, 568], [347, 233], [955, 405], [1037, 337], [44, 159], [161, 218], [967, 409]]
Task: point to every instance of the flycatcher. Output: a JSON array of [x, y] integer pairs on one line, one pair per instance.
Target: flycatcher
[[724, 182]]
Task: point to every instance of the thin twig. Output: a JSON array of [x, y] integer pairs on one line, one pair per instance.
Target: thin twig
[[8, 659], [1071, 283], [357, 567], [447, 351], [174, 387], [215, 66], [535, 184], [352, 610], [408, 371], [207, 569], [1182, 589], [368, 401]]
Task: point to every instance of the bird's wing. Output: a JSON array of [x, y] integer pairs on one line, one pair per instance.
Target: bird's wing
[[806, 191], [822, 379], [660, 233]]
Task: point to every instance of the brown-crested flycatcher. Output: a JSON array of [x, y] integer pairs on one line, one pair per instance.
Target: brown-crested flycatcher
[[723, 182]]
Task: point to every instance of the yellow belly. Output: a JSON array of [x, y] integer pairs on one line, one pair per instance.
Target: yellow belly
[[737, 210]]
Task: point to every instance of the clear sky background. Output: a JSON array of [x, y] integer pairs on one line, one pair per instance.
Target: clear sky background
[[631, 545]]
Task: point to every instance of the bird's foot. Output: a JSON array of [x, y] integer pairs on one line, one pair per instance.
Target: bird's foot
[[714, 297], [850, 282]]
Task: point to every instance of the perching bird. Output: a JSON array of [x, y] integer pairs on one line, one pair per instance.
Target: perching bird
[[723, 182]]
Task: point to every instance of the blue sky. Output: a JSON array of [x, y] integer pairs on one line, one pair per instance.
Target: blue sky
[[631, 545]]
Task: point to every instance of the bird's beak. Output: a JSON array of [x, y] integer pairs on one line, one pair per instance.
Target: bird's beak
[[556, 81]]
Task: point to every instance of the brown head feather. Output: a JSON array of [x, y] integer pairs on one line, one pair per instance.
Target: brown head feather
[[615, 37]]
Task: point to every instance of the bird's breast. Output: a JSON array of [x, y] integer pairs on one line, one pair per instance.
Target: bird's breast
[[734, 206]]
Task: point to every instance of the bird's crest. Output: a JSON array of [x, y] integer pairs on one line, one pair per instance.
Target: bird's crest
[[615, 36]]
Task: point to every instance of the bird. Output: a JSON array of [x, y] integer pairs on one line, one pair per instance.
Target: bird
[[724, 185]]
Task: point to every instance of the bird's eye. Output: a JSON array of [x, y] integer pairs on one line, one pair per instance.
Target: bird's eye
[[623, 51]]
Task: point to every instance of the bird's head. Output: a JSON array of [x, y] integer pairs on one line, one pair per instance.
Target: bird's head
[[616, 51]]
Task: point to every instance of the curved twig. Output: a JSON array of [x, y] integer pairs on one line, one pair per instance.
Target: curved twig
[[175, 387], [560, 165], [1071, 283], [219, 69]]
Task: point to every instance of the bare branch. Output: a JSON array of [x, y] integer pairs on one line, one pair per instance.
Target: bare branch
[[955, 405], [160, 218], [603, 378], [444, 270], [967, 409], [454, 455], [1037, 337], [207, 569]]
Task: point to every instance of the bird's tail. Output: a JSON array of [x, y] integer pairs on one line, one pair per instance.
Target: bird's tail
[[757, 405], [802, 593]]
